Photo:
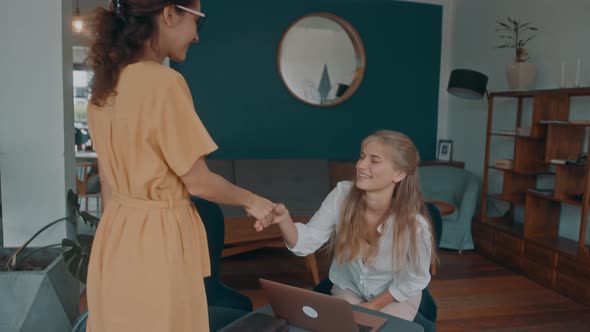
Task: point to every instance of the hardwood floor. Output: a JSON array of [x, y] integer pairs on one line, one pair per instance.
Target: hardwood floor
[[472, 292]]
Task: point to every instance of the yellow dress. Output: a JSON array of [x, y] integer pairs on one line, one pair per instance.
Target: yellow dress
[[150, 254]]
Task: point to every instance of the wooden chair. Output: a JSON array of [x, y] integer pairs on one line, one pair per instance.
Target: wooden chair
[[84, 172]]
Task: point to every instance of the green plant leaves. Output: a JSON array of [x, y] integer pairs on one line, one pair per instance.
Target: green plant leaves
[[77, 255], [516, 39], [89, 219]]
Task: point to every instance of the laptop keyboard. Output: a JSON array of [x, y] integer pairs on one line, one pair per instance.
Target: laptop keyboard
[[364, 328]]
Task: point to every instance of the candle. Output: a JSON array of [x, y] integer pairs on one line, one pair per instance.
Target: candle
[[562, 75], [578, 73]]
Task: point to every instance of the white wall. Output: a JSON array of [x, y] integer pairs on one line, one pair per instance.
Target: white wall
[[564, 27], [36, 117], [564, 30]]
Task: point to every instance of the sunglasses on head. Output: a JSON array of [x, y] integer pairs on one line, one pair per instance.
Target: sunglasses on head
[[196, 13]]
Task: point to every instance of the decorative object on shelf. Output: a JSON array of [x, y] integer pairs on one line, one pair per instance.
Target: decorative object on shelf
[[577, 82], [582, 159], [523, 131], [579, 161], [520, 75], [445, 150], [504, 163], [562, 82], [321, 59], [546, 192], [505, 132], [467, 84]]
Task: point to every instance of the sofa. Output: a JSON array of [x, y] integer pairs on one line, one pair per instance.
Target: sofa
[[301, 184]]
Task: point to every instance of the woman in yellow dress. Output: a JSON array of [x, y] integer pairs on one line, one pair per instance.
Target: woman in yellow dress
[[150, 252]]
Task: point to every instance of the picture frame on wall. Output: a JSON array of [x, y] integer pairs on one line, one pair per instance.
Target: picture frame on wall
[[445, 150]]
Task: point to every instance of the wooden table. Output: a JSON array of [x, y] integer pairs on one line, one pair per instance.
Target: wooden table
[[240, 237], [444, 207]]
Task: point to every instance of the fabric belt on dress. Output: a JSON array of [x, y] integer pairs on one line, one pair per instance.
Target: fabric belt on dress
[[139, 202]]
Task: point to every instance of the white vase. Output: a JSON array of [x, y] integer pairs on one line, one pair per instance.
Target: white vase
[[521, 75]]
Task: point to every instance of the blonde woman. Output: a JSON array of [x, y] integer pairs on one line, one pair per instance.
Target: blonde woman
[[379, 228]]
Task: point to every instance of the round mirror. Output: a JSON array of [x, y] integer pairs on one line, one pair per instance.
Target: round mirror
[[321, 59]]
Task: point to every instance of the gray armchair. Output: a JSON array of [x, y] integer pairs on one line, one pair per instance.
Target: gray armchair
[[460, 188]]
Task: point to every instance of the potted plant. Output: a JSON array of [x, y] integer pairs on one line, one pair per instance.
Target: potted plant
[[516, 34], [38, 292]]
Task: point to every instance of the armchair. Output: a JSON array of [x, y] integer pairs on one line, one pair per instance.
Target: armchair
[[460, 188]]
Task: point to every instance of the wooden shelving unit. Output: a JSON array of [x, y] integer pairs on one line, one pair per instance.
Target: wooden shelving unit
[[534, 246]]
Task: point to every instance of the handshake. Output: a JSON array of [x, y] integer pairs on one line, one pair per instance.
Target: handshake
[[267, 213]]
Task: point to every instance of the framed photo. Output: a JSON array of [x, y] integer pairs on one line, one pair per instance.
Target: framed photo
[[445, 150]]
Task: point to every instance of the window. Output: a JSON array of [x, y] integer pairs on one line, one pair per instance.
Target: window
[[81, 96]]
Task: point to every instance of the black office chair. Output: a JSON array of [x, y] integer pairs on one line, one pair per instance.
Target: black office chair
[[218, 294], [225, 304]]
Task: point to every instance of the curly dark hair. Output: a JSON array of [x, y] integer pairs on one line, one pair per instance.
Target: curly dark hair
[[118, 38]]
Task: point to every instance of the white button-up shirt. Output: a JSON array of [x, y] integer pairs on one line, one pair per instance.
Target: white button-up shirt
[[366, 281]]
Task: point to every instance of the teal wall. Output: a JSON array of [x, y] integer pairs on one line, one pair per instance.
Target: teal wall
[[232, 73]]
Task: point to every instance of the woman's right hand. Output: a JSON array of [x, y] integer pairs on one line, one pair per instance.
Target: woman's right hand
[[261, 209], [280, 213]]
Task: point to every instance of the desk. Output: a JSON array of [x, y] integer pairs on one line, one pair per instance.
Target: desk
[[393, 323]]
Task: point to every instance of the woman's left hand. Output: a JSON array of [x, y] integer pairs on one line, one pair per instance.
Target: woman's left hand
[[368, 305]]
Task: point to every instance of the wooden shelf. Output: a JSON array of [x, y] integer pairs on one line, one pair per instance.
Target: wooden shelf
[[501, 168], [560, 244], [509, 226], [555, 199], [564, 124], [515, 135], [520, 172], [512, 198], [453, 163], [535, 246], [504, 225], [566, 165], [584, 91]]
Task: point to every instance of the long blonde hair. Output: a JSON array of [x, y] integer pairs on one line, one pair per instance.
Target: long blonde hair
[[351, 240]]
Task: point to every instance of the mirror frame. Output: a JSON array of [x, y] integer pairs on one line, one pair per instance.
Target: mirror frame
[[359, 50]]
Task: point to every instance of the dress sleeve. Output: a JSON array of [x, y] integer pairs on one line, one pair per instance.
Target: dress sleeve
[[181, 135]]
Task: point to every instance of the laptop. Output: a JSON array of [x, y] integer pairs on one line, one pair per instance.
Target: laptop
[[317, 312]]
